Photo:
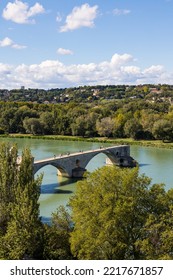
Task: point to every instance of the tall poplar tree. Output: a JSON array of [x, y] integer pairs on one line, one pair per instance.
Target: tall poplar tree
[[8, 181], [21, 237]]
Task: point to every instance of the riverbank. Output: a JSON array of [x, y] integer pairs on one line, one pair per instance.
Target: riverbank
[[122, 141]]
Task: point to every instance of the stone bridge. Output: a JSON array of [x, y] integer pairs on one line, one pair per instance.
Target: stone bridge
[[74, 164]]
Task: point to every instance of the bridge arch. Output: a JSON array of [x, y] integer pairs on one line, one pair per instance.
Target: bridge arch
[[107, 154], [61, 170]]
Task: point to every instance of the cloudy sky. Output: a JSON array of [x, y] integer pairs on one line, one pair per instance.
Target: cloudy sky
[[66, 43]]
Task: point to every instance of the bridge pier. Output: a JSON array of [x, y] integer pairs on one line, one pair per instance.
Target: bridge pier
[[76, 172], [127, 161]]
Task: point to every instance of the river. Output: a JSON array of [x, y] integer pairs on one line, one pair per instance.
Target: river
[[55, 191]]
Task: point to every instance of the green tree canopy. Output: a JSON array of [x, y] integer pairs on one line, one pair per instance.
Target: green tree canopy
[[105, 126], [56, 236], [163, 130], [110, 209]]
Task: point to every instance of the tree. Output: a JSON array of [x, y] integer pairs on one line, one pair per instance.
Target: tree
[[7, 121], [109, 211], [105, 212], [56, 236], [61, 121], [22, 234], [47, 121], [105, 127], [8, 181], [33, 126], [120, 121], [132, 128], [90, 124], [148, 118], [78, 126], [85, 125], [163, 130], [157, 236], [22, 113]]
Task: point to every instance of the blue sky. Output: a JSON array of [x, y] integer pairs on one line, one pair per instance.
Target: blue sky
[[66, 43]]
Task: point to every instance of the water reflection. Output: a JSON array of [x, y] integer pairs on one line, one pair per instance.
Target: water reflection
[[144, 164], [53, 189], [56, 188]]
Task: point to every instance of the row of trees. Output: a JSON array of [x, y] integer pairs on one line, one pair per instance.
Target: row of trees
[[115, 214], [136, 119]]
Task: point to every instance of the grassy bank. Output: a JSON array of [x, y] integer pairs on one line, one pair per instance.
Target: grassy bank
[[128, 141]]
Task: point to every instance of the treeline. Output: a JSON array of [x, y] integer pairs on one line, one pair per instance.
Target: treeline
[[138, 119], [89, 93], [115, 214]]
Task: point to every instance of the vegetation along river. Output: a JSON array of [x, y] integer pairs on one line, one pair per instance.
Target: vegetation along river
[[156, 163]]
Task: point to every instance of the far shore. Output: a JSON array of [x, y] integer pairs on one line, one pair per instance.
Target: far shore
[[118, 141]]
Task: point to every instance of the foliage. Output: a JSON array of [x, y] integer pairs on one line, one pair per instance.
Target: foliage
[[56, 236], [163, 129], [8, 181], [105, 127], [132, 128], [22, 235], [21, 229], [33, 126], [110, 210], [157, 237], [91, 111]]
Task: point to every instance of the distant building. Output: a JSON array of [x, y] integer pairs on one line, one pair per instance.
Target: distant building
[[155, 90], [95, 92]]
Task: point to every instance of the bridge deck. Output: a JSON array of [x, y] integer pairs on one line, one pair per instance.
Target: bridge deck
[[70, 155]]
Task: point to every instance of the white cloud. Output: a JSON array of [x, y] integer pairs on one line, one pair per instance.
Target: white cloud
[[120, 69], [7, 42], [64, 51], [119, 12], [18, 47], [121, 59], [5, 72], [82, 16], [154, 70], [5, 69], [19, 12], [35, 10]]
